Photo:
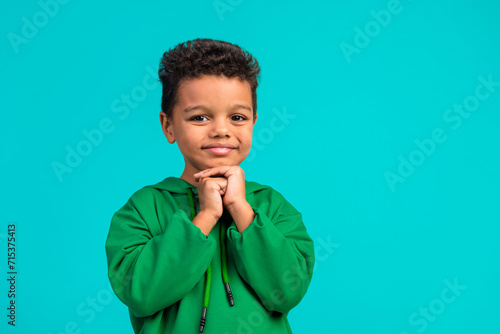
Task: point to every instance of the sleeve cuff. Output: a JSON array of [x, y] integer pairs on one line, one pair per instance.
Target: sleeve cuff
[[259, 222], [184, 226]]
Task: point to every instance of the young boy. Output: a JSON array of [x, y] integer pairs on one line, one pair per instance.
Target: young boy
[[209, 252]]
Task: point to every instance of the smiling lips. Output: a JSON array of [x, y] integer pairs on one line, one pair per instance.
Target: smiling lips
[[219, 149]]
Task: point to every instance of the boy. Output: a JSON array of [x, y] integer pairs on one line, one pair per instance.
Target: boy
[[209, 243]]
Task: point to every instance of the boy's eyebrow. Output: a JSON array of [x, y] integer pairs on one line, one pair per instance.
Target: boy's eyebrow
[[239, 106], [193, 108], [204, 108]]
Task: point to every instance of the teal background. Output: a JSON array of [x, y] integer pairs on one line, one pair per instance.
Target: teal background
[[386, 251]]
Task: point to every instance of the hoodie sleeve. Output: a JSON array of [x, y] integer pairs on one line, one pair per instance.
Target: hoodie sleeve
[[152, 263], [274, 254]]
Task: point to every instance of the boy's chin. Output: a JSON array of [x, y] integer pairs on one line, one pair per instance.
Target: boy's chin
[[217, 162], [222, 164]]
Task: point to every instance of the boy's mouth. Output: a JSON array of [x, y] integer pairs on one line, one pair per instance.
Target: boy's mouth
[[219, 148]]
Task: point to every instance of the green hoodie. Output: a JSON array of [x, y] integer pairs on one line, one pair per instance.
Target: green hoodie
[[157, 261]]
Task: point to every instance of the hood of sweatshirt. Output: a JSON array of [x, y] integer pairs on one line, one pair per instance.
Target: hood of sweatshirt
[[177, 185]]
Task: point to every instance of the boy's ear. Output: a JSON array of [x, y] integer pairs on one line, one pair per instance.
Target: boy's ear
[[166, 126], [255, 119]]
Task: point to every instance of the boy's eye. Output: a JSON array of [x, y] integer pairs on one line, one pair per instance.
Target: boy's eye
[[200, 118], [197, 118], [239, 118]]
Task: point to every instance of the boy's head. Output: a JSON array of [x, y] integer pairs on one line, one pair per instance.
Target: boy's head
[[198, 57], [209, 103]]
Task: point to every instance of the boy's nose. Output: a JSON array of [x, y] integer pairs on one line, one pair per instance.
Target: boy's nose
[[220, 128]]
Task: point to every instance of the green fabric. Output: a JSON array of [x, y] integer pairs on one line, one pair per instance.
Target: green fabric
[[157, 259], [208, 282], [223, 253], [208, 273]]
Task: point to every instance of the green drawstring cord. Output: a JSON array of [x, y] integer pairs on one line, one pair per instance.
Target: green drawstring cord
[[206, 297], [208, 273], [223, 257]]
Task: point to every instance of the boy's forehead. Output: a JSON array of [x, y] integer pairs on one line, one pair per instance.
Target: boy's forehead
[[211, 89]]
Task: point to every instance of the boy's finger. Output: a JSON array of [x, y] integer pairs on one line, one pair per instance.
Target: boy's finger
[[221, 181], [220, 170], [201, 177]]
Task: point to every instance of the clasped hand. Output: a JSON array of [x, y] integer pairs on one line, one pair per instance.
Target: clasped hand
[[221, 186]]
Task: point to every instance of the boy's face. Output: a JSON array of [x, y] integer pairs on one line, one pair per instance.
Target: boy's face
[[211, 111]]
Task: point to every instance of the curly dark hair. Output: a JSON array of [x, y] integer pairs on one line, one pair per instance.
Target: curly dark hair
[[201, 56]]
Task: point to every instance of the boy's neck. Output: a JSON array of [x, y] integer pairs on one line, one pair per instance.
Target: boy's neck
[[188, 177]]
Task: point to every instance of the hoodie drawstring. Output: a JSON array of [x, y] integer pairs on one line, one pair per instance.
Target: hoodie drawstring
[[223, 257], [208, 272]]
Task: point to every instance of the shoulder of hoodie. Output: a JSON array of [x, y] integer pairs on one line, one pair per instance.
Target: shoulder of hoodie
[[146, 199], [151, 191], [276, 200]]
